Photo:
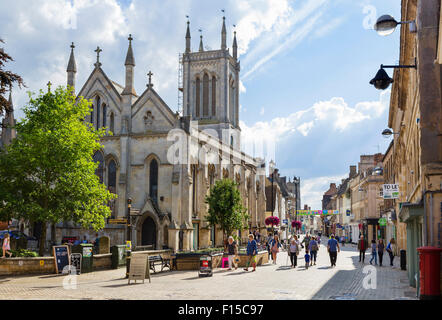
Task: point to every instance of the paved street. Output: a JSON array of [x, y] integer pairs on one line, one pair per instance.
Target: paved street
[[280, 282]]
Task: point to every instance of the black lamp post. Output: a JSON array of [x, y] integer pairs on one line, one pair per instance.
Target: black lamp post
[[382, 81]]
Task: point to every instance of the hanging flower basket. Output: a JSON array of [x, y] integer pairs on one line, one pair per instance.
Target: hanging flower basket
[[274, 221], [296, 224]]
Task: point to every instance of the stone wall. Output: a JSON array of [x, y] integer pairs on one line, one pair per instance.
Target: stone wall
[[192, 261], [116, 233], [44, 265], [28, 265]]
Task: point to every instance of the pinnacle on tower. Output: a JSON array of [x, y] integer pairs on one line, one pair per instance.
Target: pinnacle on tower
[[235, 46], [130, 60], [188, 37], [201, 49], [130, 64], [72, 66], [223, 35]]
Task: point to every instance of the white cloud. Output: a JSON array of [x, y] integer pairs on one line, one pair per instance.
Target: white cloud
[[305, 128], [328, 27], [329, 116], [313, 189], [261, 112]]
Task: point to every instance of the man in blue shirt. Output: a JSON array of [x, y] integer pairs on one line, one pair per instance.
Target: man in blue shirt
[[333, 249]]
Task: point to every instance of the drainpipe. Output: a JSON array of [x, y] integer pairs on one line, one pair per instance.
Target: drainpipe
[[431, 219], [425, 237]]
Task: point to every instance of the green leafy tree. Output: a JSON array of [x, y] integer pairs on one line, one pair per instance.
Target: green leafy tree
[[225, 207], [47, 174]]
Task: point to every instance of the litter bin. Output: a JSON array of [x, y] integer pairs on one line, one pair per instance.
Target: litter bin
[[429, 269], [205, 266], [403, 260], [87, 256], [118, 256]]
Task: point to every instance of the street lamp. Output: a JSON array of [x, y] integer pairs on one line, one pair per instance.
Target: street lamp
[[386, 24], [382, 80]]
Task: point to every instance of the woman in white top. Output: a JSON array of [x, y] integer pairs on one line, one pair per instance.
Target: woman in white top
[[294, 251]]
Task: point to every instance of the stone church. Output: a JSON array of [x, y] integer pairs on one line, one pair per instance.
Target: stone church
[[166, 162]]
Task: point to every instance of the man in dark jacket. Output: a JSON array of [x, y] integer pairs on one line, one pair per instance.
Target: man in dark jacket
[[362, 246]]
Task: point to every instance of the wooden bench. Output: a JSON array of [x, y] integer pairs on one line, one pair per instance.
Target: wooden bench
[[164, 260]]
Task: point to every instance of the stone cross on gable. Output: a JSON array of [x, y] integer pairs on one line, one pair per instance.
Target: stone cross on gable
[[98, 50], [49, 86], [150, 74]]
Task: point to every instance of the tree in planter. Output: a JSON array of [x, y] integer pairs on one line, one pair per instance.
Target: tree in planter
[[225, 207], [47, 173]]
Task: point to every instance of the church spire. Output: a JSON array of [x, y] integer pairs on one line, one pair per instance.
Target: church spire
[[130, 55], [130, 64], [72, 68], [201, 49], [223, 35], [8, 131], [188, 37], [235, 46]]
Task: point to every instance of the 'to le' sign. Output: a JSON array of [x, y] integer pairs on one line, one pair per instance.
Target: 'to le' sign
[[390, 191]]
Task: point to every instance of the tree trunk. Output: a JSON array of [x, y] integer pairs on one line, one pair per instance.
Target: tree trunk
[[42, 239]]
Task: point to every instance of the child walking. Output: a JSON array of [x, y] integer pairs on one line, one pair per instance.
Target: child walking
[[6, 246], [307, 259]]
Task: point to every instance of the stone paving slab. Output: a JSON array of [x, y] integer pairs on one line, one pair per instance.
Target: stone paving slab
[[279, 282]]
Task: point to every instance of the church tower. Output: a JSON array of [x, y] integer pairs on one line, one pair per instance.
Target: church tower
[[211, 89]]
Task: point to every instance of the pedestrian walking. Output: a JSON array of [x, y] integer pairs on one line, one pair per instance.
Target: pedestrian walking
[[6, 247], [380, 251], [391, 249], [252, 251], [294, 251], [232, 251], [333, 249], [374, 254], [306, 241], [269, 238], [307, 259], [362, 246], [313, 249], [275, 244]]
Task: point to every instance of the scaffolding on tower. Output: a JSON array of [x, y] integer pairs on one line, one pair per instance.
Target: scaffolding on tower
[[180, 84]]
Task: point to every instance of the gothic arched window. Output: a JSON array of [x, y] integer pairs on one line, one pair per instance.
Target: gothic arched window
[[97, 124], [112, 176], [112, 122], [205, 95], [197, 98], [213, 95], [231, 102], [194, 188], [98, 157], [104, 114], [153, 180]]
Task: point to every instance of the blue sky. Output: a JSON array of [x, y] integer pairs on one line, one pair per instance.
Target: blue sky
[[305, 66]]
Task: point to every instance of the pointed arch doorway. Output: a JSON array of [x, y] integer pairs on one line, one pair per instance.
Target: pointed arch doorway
[[149, 233]]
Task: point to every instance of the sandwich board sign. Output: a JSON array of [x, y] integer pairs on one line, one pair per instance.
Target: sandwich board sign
[[390, 191], [61, 257], [138, 263]]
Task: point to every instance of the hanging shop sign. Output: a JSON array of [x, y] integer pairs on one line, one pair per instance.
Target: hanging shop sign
[[382, 222], [390, 191]]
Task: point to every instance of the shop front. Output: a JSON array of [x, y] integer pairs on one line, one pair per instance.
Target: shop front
[[412, 214]]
